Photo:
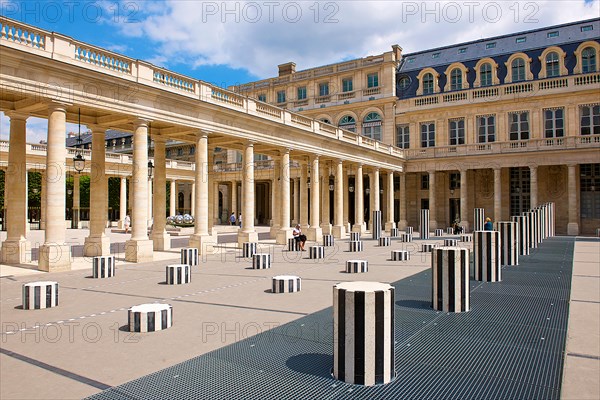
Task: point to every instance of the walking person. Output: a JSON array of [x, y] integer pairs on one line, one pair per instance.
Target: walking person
[[127, 223], [240, 220], [232, 219]]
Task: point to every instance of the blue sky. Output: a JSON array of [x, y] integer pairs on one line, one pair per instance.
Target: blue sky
[[228, 43]]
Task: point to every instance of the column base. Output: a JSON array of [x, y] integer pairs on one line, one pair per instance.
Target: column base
[[274, 231], [326, 228], [572, 229], [161, 240], [96, 246], [204, 243], [54, 257], [359, 228], [389, 226], [315, 234], [433, 225], [283, 235], [139, 251], [16, 251], [339, 231], [402, 224], [247, 237]]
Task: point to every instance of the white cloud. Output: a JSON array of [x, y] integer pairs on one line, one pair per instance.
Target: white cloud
[[257, 36]]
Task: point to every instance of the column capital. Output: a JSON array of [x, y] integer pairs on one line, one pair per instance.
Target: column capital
[[201, 134], [140, 122], [16, 115], [57, 106], [533, 167], [158, 138], [97, 128]]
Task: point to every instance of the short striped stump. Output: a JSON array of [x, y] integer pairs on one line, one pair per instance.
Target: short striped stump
[[450, 279], [103, 266], [38, 295], [286, 284], [400, 255], [248, 249], [486, 256], [354, 246], [293, 244], [450, 231], [385, 241], [406, 237], [328, 240], [394, 232], [450, 242], [466, 238], [178, 274], [427, 247], [189, 256], [357, 266], [409, 230], [316, 252], [261, 261], [439, 232], [363, 333], [355, 236], [150, 317]]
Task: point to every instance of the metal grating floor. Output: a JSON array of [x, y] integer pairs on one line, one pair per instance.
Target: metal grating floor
[[510, 346]]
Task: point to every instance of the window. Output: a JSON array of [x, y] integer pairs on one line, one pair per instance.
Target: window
[[518, 70], [490, 45], [486, 128], [521, 39], [180, 151], [456, 131], [192, 151], [456, 79], [281, 96], [462, 50], [372, 126], [454, 180], [404, 82], [411, 60], [325, 120], [347, 85], [324, 89], [168, 154], [425, 182], [552, 66], [590, 119], [435, 55], [372, 80], [518, 125], [588, 60], [428, 83], [554, 123], [262, 97], [402, 137], [520, 186], [485, 72], [348, 122], [587, 28], [552, 34], [428, 134], [589, 182], [302, 93]]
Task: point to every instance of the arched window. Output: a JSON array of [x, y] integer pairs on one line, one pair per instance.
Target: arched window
[[372, 126], [588, 60], [552, 65], [518, 70], [485, 73], [348, 122], [404, 82], [456, 79], [325, 120], [428, 83]]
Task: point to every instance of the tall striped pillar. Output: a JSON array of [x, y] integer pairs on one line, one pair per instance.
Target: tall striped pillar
[[376, 225], [546, 210], [363, 331], [450, 279], [424, 224], [552, 219], [531, 221], [486, 251], [478, 219], [538, 225], [523, 235], [509, 240]]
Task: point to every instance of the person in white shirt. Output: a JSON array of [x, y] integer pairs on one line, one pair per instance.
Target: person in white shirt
[[299, 237]]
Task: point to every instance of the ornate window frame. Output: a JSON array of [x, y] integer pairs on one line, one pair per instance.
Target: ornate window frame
[[561, 62], [508, 63], [578, 54], [436, 78], [494, 65], [448, 72]]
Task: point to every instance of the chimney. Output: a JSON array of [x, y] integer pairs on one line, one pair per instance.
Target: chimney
[[287, 69]]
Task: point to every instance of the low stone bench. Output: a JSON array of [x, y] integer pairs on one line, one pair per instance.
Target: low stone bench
[[400, 255], [357, 266], [328, 240], [248, 249], [354, 236], [150, 317], [450, 242], [261, 261], [189, 256], [103, 266], [293, 244], [394, 232], [439, 232], [406, 237], [38, 295], [286, 284], [466, 238], [354, 246], [385, 241], [427, 247], [409, 230], [178, 274], [316, 252]]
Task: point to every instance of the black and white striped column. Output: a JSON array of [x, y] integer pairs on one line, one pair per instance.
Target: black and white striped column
[[328, 240], [552, 219], [286, 284], [427, 247], [450, 242], [424, 224], [293, 244], [439, 232], [539, 214], [261, 261], [450, 231], [316, 252], [486, 253], [523, 233], [354, 236], [103, 266], [410, 230], [189, 256], [532, 226], [357, 266], [38, 295], [466, 238], [385, 241], [393, 232], [363, 331], [178, 274], [376, 230], [406, 237], [509, 243], [478, 219], [150, 317], [450, 279], [248, 249], [400, 255], [354, 246]]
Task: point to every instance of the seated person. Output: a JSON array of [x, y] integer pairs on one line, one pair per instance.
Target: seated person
[[488, 226], [457, 229], [299, 237]]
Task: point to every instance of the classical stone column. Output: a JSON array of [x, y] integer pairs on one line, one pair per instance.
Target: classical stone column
[[234, 195], [173, 198], [139, 248], [76, 201], [303, 196], [390, 223], [402, 217], [314, 232], [533, 190], [276, 191], [285, 231], [432, 206], [296, 183], [359, 200], [160, 237], [573, 201], [123, 202], [55, 254], [16, 246], [186, 199], [201, 239], [339, 229], [97, 243], [345, 188], [325, 213], [464, 210], [43, 204], [248, 233], [150, 201], [497, 194], [193, 199]]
